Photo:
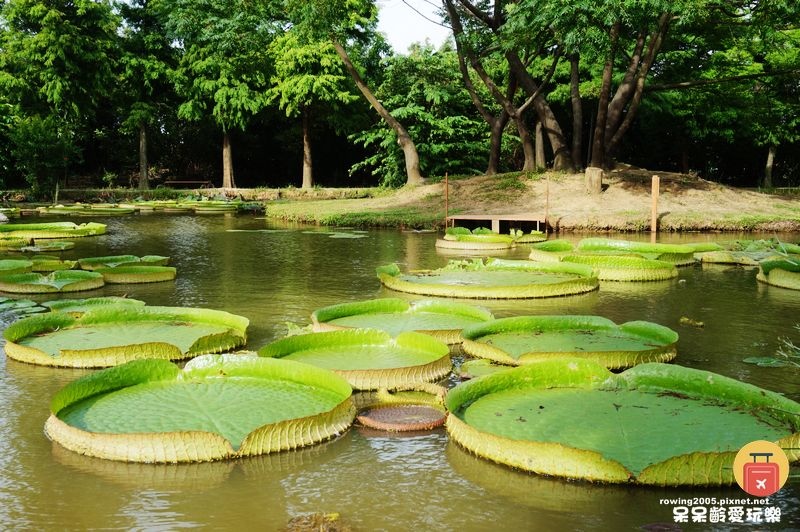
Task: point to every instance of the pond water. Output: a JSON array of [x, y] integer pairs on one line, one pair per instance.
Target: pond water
[[277, 274]]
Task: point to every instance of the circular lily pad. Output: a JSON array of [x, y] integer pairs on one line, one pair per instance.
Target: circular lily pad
[[113, 334], [493, 279], [217, 407], [655, 424], [79, 306], [50, 263], [402, 418], [678, 254], [784, 273], [57, 281], [51, 245], [369, 359], [137, 274], [479, 241], [624, 268], [12, 266], [525, 339], [113, 261], [52, 230], [441, 319]]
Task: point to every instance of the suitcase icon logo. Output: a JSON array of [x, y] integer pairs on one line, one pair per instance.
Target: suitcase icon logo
[[761, 468], [761, 479]]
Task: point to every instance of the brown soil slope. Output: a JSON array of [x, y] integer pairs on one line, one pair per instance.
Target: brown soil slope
[[686, 203]]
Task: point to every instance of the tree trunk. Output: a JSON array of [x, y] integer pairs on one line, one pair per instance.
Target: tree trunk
[[413, 175], [496, 142], [562, 160], [527, 146], [577, 112], [541, 163], [144, 184], [599, 139], [773, 150], [308, 168], [227, 162]]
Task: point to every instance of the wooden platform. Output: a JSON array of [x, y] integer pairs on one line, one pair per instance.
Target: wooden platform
[[501, 223]]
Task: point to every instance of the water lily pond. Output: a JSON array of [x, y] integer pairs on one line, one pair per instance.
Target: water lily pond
[[273, 274]]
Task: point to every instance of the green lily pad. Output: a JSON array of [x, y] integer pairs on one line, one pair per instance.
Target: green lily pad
[[677, 254], [727, 257], [625, 268], [526, 339], [478, 367], [767, 362], [51, 245], [12, 266], [217, 407], [20, 306], [784, 273], [137, 274], [57, 281], [52, 230], [49, 263], [113, 261], [79, 306], [653, 424], [369, 359], [113, 334], [441, 319], [493, 279]]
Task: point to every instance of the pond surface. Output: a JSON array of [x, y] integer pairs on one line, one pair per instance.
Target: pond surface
[[277, 274]]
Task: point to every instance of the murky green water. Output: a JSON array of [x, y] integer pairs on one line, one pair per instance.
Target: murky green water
[[375, 481]]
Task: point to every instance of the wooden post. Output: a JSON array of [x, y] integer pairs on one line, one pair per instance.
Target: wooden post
[[546, 201], [446, 199], [654, 207]]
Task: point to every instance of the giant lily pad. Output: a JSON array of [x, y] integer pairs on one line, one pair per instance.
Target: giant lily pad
[[782, 272], [114, 334], [137, 274], [525, 339], [52, 230], [677, 254], [369, 359], [57, 281], [493, 279], [463, 238], [217, 407], [113, 261], [50, 263], [441, 319], [79, 306], [12, 266], [623, 268], [655, 424]]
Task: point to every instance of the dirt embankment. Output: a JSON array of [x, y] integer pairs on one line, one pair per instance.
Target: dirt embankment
[[686, 203]]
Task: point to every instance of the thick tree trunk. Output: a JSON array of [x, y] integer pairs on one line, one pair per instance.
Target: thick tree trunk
[[413, 175], [541, 163], [496, 142], [308, 167], [599, 140], [562, 160], [577, 112], [528, 150], [773, 150], [227, 162], [144, 184], [656, 40]]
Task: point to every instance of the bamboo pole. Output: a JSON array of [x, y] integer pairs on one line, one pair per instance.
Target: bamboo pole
[[654, 206], [446, 199]]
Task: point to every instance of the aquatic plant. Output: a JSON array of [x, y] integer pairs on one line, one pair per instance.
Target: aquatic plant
[[243, 406]]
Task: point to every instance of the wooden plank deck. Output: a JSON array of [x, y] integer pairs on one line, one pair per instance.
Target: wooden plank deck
[[495, 219]]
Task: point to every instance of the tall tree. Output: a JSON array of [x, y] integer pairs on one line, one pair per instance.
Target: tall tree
[[308, 78], [57, 67], [344, 23], [148, 57], [224, 69], [423, 90]]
